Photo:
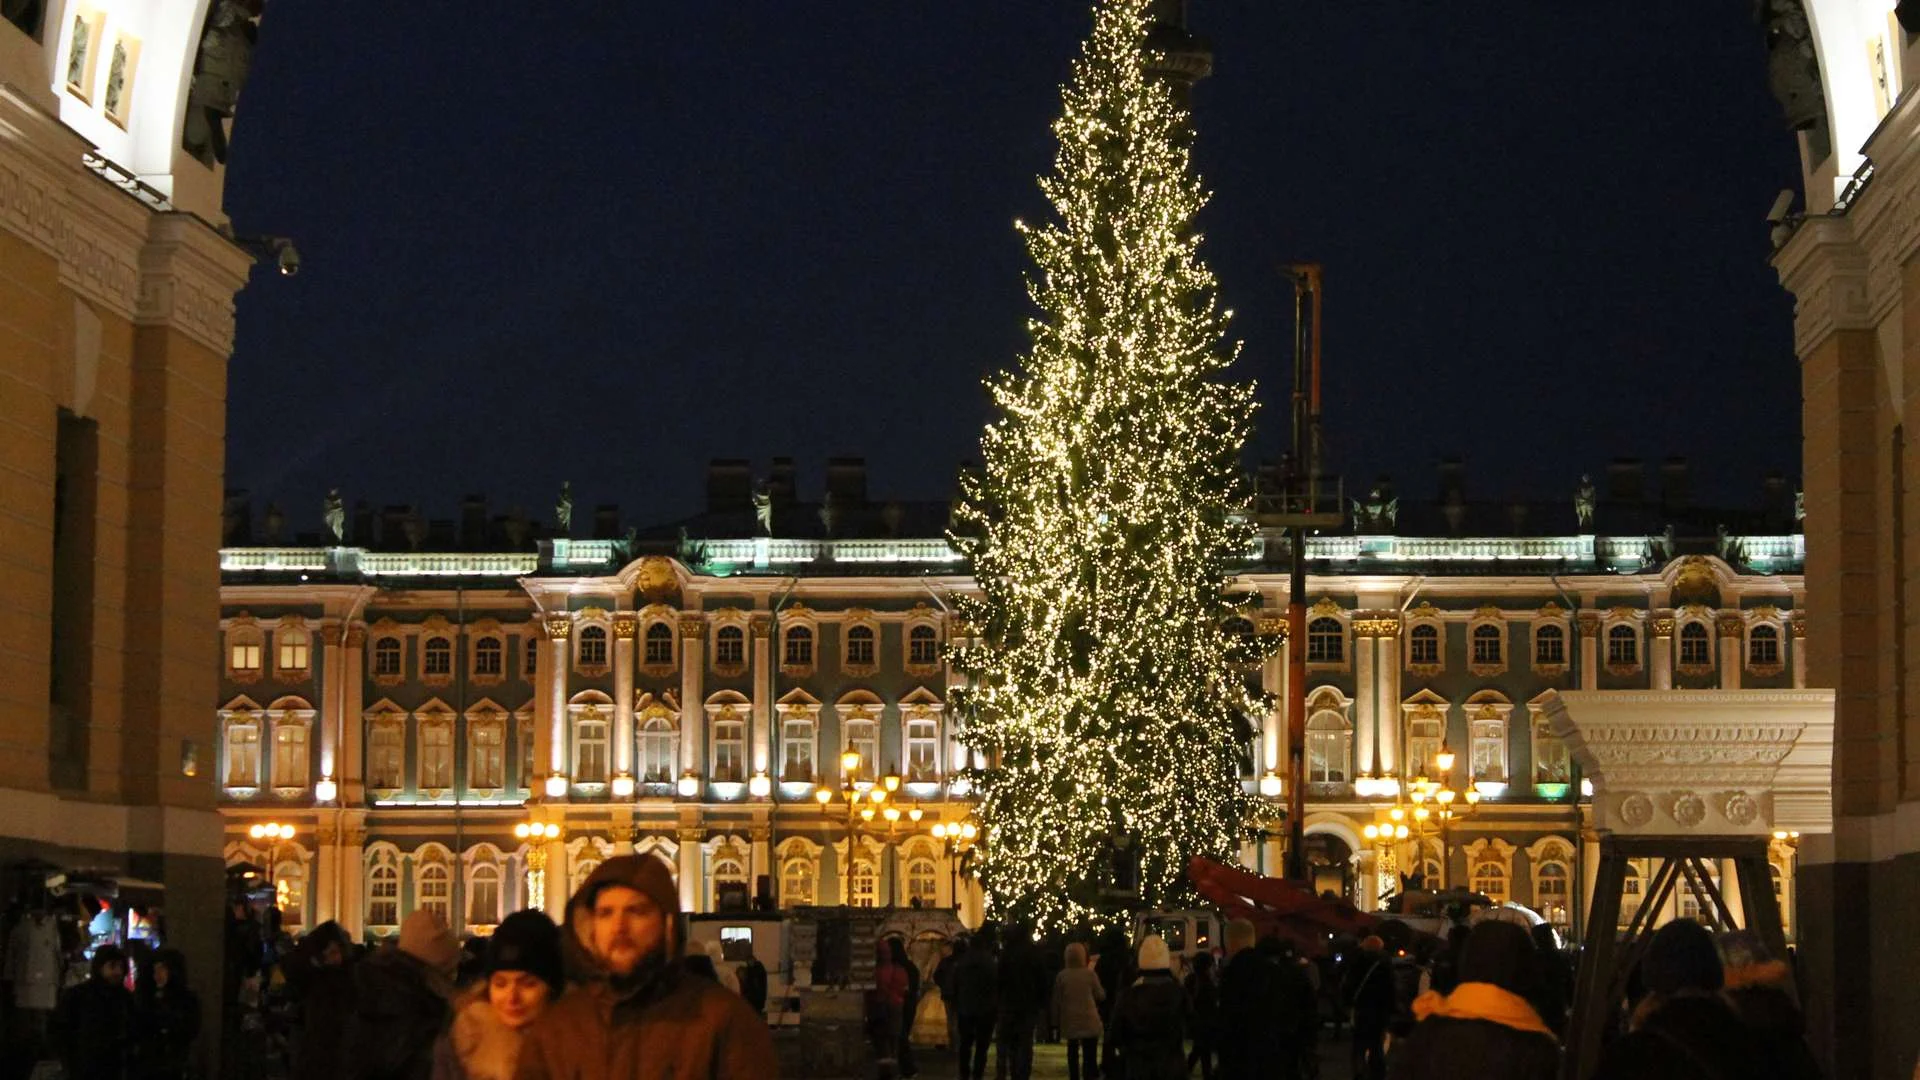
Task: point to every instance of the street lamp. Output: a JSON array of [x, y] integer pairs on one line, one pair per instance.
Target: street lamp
[[689, 784], [862, 806], [760, 786], [274, 833], [324, 790], [957, 840], [537, 834]]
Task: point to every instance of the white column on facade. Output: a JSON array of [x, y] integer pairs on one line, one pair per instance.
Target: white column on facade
[[762, 628], [1797, 652], [1733, 631], [689, 869], [1661, 647], [351, 909], [624, 626], [1387, 694], [543, 676], [1589, 650], [351, 762], [554, 671], [323, 884], [558, 888], [1273, 680], [1364, 692], [333, 710], [693, 716]]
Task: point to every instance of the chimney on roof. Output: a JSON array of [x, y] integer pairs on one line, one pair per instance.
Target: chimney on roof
[[473, 523], [1624, 480], [780, 481], [729, 486], [1675, 491], [847, 481], [606, 521]]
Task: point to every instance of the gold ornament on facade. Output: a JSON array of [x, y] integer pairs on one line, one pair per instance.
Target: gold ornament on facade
[[1695, 578], [1663, 626], [625, 625], [558, 627], [1273, 626], [1589, 624], [1765, 613], [1732, 626], [656, 580], [1622, 612], [1376, 627], [693, 627], [1424, 610], [1551, 610], [356, 637], [332, 634], [1799, 627], [1324, 607], [1489, 611]]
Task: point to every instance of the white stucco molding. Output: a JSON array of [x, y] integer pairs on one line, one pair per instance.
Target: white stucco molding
[[1702, 762]]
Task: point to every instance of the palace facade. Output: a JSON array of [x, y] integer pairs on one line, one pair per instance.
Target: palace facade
[[689, 693]]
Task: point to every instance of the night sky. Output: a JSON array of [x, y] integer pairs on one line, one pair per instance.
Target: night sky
[[609, 245]]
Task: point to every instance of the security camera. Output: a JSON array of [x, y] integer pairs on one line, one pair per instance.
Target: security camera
[[289, 259]]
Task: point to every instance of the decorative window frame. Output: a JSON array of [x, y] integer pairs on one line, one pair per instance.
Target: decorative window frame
[[1426, 616], [643, 623], [529, 640], [862, 707], [484, 715], [731, 848], [1484, 709], [864, 619], [728, 707], [1491, 851], [1555, 850], [1539, 736], [1321, 699], [290, 712], [1326, 608], [585, 852], [1694, 615], [798, 851], [484, 855], [436, 627], [1551, 614], [486, 629], [589, 706], [385, 714], [386, 629], [798, 616], [1423, 706], [1634, 621], [1767, 616], [1488, 615], [722, 619], [238, 713], [243, 631], [917, 617], [428, 855], [919, 852], [523, 762], [797, 706], [434, 714], [646, 711], [291, 630], [919, 706], [383, 854], [869, 852], [584, 619]]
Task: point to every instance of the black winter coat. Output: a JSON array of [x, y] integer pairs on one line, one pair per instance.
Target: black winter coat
[[1254, 1033], [1695, 1037], [93, 1028], [167, 1021], [325, 997], [974, 978], [400, 1011], [1445, 1048], [1148, 1033], [1023, 986]]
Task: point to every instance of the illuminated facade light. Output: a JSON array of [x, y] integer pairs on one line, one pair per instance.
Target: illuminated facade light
[[557, 785]]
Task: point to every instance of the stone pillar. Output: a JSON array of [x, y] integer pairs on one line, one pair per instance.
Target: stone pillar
[[1275, 853], [761, 735], [353, 691], [1589, 650], [1730, 892], [760, 858], [693, 637], [1797, 652], [559, 888], [624, 626], [1732, 644], [622, 828], [689, 872], [1273, 680], [351, 905], [1387, 693], [323, 884], [1365, 708], [554, 673], [333, 713], [543, 676], [1661, 648]]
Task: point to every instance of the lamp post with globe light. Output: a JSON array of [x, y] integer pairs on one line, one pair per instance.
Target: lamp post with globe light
[[862, 806], [274, 833], [957, 839], [1448, 804], [537, 835]]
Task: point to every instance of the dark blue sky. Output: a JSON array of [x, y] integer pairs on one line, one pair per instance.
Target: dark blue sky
[[610, 244]]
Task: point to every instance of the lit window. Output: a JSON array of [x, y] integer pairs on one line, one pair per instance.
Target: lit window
[[1552, 894], [289, 754], [483, 895], [1423, 645], [386, 756], [245, 657], [729, 885], [532, 664], [1696, 649], [1425, 733], [1550, 762], [729, 750], [1763, 646], [1490, 881], [659, 645], [1630, 897], [386, 656], [434, 886], [863, 736], [922, 883], [1487, 639], [486, 757], [1550, 645], [590, 748], [923, 646], [1326, 641], [1623, 646], [437, 657], [290, 894], [796, 738], [383, 895], [860, 646], [866, 884], [799, 647], [656, 750], [489, 656], [1489, 738], [243, 753], [593, 646], [923, 748], [436, 754], [796, 882], [293, 650], [1329, 740], [730, 647]]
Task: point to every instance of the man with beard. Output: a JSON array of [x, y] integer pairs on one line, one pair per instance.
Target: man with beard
[[636, 1014]]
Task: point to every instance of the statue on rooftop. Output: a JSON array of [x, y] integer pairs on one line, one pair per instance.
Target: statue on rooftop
[[335, 515], [1379, 512], [275, 520], [1583, 500], [563, 510], [763, 509]]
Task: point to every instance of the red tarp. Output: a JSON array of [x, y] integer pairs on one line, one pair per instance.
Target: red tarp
[[1278, 907]]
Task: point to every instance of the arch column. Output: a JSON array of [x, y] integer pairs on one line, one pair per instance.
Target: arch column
[[689, 872], [1273, 680], [554, 672], [624, 626], [761, 629], [1661, 647], [1365, 703], [1387, 694], [1589, 623], [351, 762], [692, 629], [1797, 652], [1732, 639]]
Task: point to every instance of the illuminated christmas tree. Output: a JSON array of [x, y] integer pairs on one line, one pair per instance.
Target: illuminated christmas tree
[[1105, 689]]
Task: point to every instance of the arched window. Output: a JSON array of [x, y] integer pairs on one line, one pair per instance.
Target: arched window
[[433, 890], [1552, 894], [593, 647], [1763, 646], [797, 747], [729, 885], [436, 658], [659, 645], [923, 646], [730, 647], [1329, 739], [290, 893], [383, 895], [860, 646], [1487, 641], [797, 648], [796, 882], [1423, 645], [590, 747], [1623, 646], [866, 884], [923, 748], [729, 750], [386, 657], [1696, 647], [294, 651], [531, 662], [1549, 645], [863, 737], [1490, 881], [922, 883], [1630, 893], [483, 895], [656, 750], [489, 657], [1326, 641]]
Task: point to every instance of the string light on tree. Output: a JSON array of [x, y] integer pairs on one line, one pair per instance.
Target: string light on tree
[[1105, 689]]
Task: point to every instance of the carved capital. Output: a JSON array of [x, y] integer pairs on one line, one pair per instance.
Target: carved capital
[[693, 627], [692, 834], [1732, 626], [1273, 626], [1589, 624], [1374, 624], [1799, 629], [559, 627], [761, 625], [625, 625], [356, 637], [332, 635], [1663, 627]]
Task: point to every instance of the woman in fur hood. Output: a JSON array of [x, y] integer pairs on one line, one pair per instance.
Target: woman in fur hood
[[524, 973]]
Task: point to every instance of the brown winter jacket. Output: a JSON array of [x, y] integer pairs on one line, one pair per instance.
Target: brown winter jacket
[[668, 1027]]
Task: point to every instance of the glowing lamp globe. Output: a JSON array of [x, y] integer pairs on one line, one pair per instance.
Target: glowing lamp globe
[[689, 786], [823, 796], [557, 786], [1270, 786], [968, 831], [866, 813], [1444, 760], [521, 831], [1371, 832], [940, 832], [760, 786], [850, 762], [622, 786], [891, 813], [324, 790], [914, 815]]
